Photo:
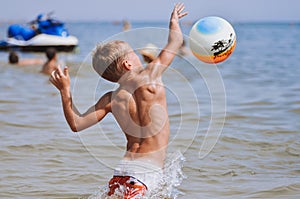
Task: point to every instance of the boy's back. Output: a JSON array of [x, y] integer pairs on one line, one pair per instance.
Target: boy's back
[[139, 106]]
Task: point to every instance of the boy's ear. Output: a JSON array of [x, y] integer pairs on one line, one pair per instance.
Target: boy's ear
[[127, 65]]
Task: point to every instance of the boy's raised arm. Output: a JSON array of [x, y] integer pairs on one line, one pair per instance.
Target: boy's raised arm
[[175, 40], [77, 122]]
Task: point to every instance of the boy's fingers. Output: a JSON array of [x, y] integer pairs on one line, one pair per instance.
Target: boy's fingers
[[183, 14], [52, 76], [66, 71], [59, 72], [176, 7], [180, 7]]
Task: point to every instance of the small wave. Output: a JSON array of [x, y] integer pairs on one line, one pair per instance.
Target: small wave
[[258, 103], [288, 191], [296, 110], [293, 149], [9, 102], [5, 153], [236, 117], [230, 173], [28, 126], [21, 147]]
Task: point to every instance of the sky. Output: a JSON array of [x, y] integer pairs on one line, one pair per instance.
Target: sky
[[151, 10]]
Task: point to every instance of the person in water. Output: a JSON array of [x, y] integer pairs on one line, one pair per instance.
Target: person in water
[[51, 64], [138, 105], [149, 52], [126, 25], [13, 58]]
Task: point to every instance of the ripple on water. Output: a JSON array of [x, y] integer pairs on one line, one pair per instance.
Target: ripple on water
[[287, 191]]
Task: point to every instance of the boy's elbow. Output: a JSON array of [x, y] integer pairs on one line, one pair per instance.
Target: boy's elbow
[[75, 126], [75, 129]]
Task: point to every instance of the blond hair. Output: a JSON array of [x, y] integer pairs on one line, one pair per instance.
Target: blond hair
[[108, 58]]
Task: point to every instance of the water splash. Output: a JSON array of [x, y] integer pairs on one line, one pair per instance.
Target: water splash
[[168, 186]]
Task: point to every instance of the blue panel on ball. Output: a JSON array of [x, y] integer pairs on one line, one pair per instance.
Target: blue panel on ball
[[209, 25]]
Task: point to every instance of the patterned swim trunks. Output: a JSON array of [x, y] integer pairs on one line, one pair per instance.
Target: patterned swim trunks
[[127, 186]]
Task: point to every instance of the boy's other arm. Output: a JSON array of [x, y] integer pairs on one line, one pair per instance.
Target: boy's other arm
[[175, 39], [77, 121]]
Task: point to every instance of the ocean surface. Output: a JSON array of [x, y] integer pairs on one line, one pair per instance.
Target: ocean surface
[[237, 124]]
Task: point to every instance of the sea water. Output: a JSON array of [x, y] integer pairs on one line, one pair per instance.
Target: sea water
[[236, 124]]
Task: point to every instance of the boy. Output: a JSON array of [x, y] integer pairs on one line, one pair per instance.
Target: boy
[[139, 106]]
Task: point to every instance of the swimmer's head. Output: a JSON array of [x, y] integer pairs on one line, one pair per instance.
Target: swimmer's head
[[50, 53], [149, 52], [13, 58]]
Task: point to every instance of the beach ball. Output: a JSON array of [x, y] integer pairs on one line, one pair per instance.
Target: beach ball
[[212, 39]]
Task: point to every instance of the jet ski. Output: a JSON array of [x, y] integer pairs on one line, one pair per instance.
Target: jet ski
[[38, 35]]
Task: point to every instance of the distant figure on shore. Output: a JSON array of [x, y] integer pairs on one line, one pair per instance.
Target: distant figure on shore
[[149, 52], [13, 58], [51, 64], [126, 25]]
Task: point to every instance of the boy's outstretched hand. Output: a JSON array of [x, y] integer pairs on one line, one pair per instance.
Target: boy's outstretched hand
[[175, 40], [178, 11], [60, 79]]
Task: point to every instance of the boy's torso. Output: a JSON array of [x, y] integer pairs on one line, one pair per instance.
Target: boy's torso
[[141, 112]]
